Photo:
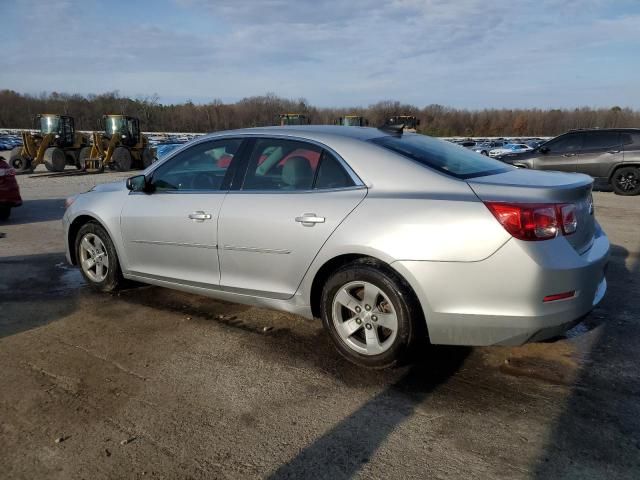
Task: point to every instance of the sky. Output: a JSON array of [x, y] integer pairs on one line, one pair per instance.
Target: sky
[[460, 53]]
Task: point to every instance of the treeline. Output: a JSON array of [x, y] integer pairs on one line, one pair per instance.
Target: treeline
[[18, 111]]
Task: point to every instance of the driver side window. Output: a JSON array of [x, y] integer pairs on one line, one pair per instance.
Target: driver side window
[[200, 167], [571, 143]]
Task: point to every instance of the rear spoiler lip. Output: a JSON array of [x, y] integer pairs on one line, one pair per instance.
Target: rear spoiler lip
[[491, 189]]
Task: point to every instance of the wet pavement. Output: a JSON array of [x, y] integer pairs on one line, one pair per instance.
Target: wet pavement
[[152, 383]]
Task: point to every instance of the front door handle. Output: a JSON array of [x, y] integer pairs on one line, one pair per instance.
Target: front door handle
[[613, 151], [569, 155], [200, 216], [309, 219]]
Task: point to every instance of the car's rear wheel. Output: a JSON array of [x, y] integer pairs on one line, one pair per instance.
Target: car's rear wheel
[[97, 258], [626, 181], [370, 315]]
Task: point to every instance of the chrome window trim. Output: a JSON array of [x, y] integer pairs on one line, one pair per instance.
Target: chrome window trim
[[285, 192], [352, 174]]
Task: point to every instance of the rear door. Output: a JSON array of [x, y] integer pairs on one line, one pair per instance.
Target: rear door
[[273, 223], [171, 234], [600, 152], [561, 154]]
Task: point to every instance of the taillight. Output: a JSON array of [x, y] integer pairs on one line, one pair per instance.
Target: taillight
[[526, 221]]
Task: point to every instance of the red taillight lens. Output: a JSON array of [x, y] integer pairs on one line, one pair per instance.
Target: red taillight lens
[[559, 296], [527, 221]]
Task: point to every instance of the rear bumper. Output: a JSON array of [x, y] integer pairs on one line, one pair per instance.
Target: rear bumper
[[499, 301]]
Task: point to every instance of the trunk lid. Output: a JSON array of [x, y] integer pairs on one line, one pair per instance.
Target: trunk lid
[[533, 186]]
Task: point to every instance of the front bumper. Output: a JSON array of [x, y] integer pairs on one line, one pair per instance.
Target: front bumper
[[498, 301]]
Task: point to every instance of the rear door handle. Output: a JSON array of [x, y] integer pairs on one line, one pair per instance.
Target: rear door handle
[[613, 151], [309, 219], [200, 216], [569, 155]]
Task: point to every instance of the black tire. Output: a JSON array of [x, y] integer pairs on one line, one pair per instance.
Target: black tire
[[54, 159], [147, 157], [113, 279], [121, 159], [626, 181], [83, 154], [410, 321], [485, 153], [20, 164], [5, 212]]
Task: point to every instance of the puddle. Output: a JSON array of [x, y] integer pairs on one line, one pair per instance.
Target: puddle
[[70, 278]]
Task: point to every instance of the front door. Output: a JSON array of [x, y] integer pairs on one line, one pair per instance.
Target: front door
[[560, 153], [293, 196], [171, 233]]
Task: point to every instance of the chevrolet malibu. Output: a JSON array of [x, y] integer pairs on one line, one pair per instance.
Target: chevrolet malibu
[[388, 237]]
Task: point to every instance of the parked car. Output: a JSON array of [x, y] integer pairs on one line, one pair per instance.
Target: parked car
[[386, 237], [611, 156], [9, 190], [486, 147], [509, 148]]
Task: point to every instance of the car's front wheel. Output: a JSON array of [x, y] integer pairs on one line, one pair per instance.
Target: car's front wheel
[[371, 315], [626, 181], [97, 258]]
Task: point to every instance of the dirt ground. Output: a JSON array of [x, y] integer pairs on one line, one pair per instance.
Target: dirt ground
[[151, 383]]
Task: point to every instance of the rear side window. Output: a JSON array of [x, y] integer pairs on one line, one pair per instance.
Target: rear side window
[[601, 141], [442, 156], [331, 174], [278, 164]]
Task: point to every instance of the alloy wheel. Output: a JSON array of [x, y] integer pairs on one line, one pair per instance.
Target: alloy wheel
[[94, 259], [628, 181], [364, 318]]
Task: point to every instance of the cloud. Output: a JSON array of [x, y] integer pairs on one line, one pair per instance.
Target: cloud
[[465, 53]]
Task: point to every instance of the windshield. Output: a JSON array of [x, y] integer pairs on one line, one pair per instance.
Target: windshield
[[115, 125], [49, 124], [443, 156]]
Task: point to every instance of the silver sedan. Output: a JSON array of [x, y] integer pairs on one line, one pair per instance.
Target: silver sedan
[[388, 237]]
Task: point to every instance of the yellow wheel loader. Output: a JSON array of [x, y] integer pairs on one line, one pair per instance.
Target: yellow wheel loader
[[293, 119], [55, 143], [409, 122], [119, 146], [352, 121]]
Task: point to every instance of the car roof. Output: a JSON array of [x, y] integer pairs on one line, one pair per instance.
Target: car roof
[[311, 132]]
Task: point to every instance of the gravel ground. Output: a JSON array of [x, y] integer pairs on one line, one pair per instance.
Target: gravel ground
[[151, 383]]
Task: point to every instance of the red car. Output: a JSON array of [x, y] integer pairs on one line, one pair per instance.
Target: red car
[[9, 191]]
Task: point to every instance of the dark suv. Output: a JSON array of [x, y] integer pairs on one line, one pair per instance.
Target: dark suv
[[611, 156]]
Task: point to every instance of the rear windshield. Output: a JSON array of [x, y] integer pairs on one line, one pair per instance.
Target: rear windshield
[[443, 156]]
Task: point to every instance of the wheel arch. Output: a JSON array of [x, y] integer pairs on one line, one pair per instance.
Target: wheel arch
[[75, 227], [620, 165], [333, 264]]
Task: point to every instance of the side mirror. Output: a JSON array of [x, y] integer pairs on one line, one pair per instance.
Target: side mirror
[[544, 150], [139, 183]]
